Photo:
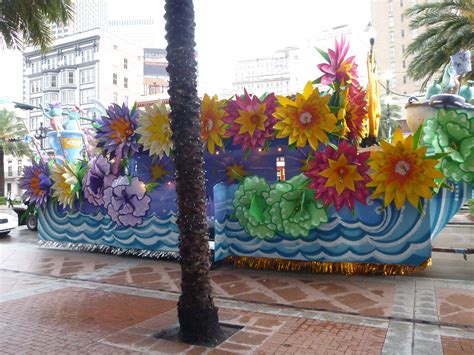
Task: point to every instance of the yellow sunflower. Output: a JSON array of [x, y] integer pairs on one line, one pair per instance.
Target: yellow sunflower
[[64, 181], [213, 127], [307, 119], [154, 130], [400, 172]]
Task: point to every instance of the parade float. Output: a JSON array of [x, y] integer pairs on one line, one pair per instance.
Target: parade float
[[288, 185]]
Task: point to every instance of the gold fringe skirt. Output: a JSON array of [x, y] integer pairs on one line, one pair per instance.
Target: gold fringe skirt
[[344, 268]]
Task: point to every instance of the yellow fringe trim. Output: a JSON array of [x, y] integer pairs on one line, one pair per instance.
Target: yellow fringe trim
[[344, 268]]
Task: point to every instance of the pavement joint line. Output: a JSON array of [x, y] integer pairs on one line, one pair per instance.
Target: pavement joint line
[[398, 339], [276, 308]]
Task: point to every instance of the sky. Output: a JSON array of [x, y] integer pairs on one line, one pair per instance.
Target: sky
[[227, 31]]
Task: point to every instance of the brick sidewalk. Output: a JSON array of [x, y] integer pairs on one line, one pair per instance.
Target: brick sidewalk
[[59, 301]]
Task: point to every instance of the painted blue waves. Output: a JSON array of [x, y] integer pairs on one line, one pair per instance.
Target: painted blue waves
[[78, 227], [374, 234]]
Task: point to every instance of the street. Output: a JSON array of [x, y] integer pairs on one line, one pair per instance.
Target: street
[[62, 301]]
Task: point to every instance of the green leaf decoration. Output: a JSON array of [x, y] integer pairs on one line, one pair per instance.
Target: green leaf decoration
[[287, 207], [323, 54], [451, 132], [417, 136], [149, 187]]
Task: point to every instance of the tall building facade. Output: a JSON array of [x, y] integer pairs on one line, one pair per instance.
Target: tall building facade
[[83, 69], [88, 15], [142, 32], [393, 35], [286, 71]]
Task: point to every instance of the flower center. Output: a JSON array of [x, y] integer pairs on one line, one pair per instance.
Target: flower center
[[341, 172], [121, 130], [210, 124], [402, 168], [305, 118], [254, 119]]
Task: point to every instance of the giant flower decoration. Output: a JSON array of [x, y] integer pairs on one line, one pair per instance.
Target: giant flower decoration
[[36, 183], [308, 119], [251, 120], [293, 208], [116, 131], [339, 176], [65, 184], [339, 68], [96, 179], [353, 113], [452, 132], [251, 208], [213, 127], [401, 171], [126, 201], [154, 130]]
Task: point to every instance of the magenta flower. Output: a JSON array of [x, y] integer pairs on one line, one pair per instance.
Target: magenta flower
[[251, 120], [339, 69], [339, 176], [126, 201], [96, 180], [36, 183], [116, 131]]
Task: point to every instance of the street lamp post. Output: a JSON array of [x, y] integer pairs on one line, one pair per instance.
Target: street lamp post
[[388, 100], [41, 134]]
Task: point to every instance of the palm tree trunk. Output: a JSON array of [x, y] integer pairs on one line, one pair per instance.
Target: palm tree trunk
[[197, 313], [2, 172]]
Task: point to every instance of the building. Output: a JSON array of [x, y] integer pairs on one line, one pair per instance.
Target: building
[[287, 71], [155, 77], [83, 69], [142, 32], [88, 14], [393, 35]]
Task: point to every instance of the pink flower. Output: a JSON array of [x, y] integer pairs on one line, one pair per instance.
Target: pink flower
[[339, 176], [339, 69], [251, 120]]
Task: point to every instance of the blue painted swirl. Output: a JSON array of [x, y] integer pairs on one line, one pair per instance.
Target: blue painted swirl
[[374, 234]]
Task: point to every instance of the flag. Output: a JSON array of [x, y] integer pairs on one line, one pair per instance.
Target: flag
[[373, 99]]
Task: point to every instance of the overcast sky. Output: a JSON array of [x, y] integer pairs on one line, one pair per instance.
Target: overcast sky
[[227, 31]]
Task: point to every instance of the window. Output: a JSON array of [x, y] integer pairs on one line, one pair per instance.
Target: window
[[50, 97], [401, 3], [390, 7], [402, 17], [36, 101], [125, 83], [10, 170], [392, 67], [9, 187], [67, 78], [392, 37], [404, 79], [403, 64], [125, 63], [115, 97], [115, 47], [35, 86], [403, 33], [87, 55], [51, 81], [87, 75], [114, 78], [68, 97], [390, 21], [403, 49], [392, 52], [87, 95], [20, 166]]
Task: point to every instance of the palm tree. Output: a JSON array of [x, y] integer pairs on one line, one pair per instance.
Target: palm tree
[[10, 129], [449, 29], [390, 116], [24, 22], [197, 314]]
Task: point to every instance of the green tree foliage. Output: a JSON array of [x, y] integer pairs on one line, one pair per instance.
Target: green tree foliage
[[446, 27], [10, 128], [389, 120], [25, 22]]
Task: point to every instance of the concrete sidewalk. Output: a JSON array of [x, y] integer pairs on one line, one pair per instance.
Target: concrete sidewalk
[[69, 302]]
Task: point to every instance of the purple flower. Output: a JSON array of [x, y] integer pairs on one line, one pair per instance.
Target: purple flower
[[55, 105], [97, 179], [126, 201], [36, 183], [116, 134]]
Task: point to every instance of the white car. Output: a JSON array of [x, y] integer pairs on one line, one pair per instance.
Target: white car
[[7, 223]]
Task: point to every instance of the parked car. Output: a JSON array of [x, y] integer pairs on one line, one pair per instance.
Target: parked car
[[7, 223]]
